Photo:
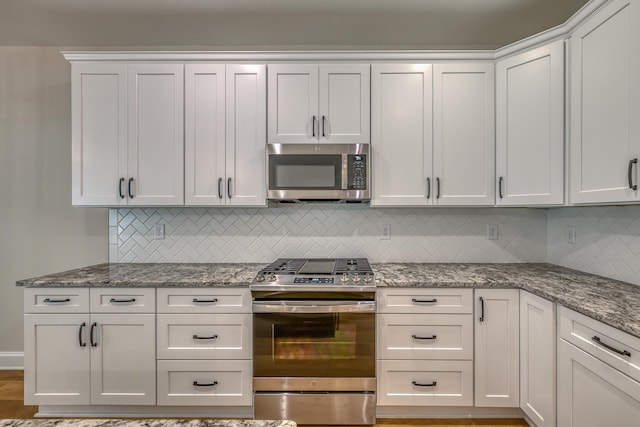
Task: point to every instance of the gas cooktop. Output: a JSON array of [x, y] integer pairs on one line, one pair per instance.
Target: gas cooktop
[[316, 273]]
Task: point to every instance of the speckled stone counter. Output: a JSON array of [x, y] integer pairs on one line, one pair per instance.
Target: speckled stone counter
[[71, 422], [150, 275], [610, 301]]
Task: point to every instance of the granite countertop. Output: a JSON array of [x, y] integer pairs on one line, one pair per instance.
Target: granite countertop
[[610, 301], [71, 422]]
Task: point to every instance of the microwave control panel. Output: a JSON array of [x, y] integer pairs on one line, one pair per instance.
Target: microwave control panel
[[357, 172]]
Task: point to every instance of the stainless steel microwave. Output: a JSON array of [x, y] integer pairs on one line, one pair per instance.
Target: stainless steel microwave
[[306, 172]]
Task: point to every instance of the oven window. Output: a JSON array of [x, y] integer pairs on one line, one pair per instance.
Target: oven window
[[321, 345], [297, 171]]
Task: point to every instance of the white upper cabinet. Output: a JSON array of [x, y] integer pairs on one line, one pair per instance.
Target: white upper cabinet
[[225, 133], [401, 134], [530, 127], [463, 134], [605, 106], [318, 103], [127, 134]]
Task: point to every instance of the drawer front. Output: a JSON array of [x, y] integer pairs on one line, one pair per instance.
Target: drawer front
[[204, 336], [601, 341], [425, 300], [204, 300], [123, 300], [420, 382], [205, 382], [56, 300], [425, 336]]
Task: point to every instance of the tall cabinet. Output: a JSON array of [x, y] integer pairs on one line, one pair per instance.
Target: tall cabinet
[[605, 105]]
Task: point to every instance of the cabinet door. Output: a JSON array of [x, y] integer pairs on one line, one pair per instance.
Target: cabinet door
[[293, 103], [401, 141], [156, 134], [345, 103], [463, 129], [99, 133], [497, 348], [204, 132], [592, 393], [537, 359], [56, 359], [246, 183], [605, 105], [530, 127], [123, 359]]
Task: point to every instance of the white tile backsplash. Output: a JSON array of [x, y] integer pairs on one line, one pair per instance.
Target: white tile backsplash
[[329, 230]]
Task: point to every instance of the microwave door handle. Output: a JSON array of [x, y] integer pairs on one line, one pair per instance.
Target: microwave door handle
[[345, 172]]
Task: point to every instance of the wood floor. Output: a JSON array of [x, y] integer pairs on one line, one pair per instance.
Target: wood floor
[[12, 406]]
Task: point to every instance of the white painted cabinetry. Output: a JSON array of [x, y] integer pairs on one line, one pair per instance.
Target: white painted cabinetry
[[538, 359], [79, 352], [530, 127], [497, 355], [605, 105], [225, 132], [127, 134], [424, 347], [318, 103], [598, 374]]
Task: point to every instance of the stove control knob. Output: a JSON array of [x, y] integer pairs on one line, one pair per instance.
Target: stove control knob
[[367, 278], [260, 278], [344, 278], [356, 278], [272, 278]]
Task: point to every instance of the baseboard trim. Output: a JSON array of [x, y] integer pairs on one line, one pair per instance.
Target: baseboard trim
[[446, 412], [82, 411], [11, 360]]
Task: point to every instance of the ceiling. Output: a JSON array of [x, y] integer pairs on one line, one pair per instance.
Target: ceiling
[[279, 24]]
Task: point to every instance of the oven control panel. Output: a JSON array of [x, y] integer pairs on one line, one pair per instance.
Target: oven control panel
[[315, 280]]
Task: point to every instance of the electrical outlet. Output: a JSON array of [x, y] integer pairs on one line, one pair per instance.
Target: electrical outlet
[[385, 232], [492, 231], [158, 231], [571, 233]]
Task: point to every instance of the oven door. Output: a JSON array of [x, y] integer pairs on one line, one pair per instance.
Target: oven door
[[314, 339]]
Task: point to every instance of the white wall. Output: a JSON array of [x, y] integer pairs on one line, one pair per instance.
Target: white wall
[[39, 230]]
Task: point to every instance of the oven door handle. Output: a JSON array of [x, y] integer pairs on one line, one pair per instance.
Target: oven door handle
[[314, 306]]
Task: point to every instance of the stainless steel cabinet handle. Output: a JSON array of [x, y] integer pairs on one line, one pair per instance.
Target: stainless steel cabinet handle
[[229, 187], [56, 301], [630, 174], [197, 384], [205, 301], [432, 337], [212, 337], [220, 188], [324, 133], [417, 384], [598, 341], [120, 188], [500, 181], [94, 343], [313, 126], [438, 188], [130, 190], [82, 343], [481, 309], [424, 301], [428, 188], [121, 301]]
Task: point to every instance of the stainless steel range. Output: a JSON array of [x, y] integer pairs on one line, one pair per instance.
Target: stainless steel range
[[314, 341]]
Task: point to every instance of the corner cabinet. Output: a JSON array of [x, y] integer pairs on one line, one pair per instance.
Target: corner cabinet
[[605, 105], [319, 103], [225, 132], [530, 127], [127, 134], [432, 137]]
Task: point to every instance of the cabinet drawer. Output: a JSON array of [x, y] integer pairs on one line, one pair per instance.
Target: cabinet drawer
[[204, 336], [56, 300], [420, 382], [425, 336], [204, 300], [425, 300], [205, 382], [601, 341], [122, 300]]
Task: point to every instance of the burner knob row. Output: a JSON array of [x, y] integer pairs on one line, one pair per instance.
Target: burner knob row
[[355, 278]]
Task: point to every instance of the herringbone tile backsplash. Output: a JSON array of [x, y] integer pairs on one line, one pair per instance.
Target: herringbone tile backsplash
[[326, 230]]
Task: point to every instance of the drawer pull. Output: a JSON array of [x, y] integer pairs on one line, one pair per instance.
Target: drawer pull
[[424, 301], [205, 301], [121, 301], [417, 384], [212, 337], [432, 337], [197, 384], [57, 301], [597, 340]]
